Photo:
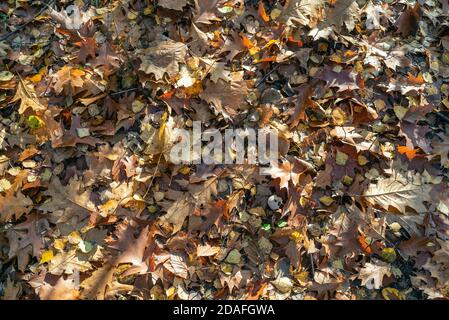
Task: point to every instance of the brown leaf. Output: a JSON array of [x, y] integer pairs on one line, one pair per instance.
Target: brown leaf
[[177, 212], [163, 57], [227, 98], [408, 21], [14, 206], [28, 97]]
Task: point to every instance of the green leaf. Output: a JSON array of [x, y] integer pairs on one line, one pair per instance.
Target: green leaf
[[282, 224], [35, 122], [266, 226]]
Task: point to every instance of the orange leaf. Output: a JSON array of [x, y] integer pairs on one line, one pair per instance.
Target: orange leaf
[[364, 245], [299, 43], [416, 80], [410, 153], [167, 95], [267, 59], [246, 42], [263, 13], [259, 291]]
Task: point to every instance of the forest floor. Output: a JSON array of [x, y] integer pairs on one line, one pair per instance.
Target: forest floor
[[93, 93]]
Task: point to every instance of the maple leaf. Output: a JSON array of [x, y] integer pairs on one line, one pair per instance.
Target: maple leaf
[[290, 169], [28, 97], [162, 57]]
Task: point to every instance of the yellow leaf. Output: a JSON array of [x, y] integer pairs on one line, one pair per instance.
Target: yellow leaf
[[170, 292], [74, 237], [59, 244], [38, 76], [339, 116], [326, 200], [275, 13], [341, 158], [296, 236], [162, 127], [389, 293], [46, 256], [185, 170], [388, 254], [362, 160], [108, 208]]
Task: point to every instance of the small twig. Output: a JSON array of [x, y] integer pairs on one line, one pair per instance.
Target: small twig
[[442, 117], [266, 75], [123, 91]]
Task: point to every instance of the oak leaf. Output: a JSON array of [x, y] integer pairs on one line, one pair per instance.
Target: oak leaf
[[228, 98], [68, 78], [28, 97], [14, 206], [372, 275], [398, 193]]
